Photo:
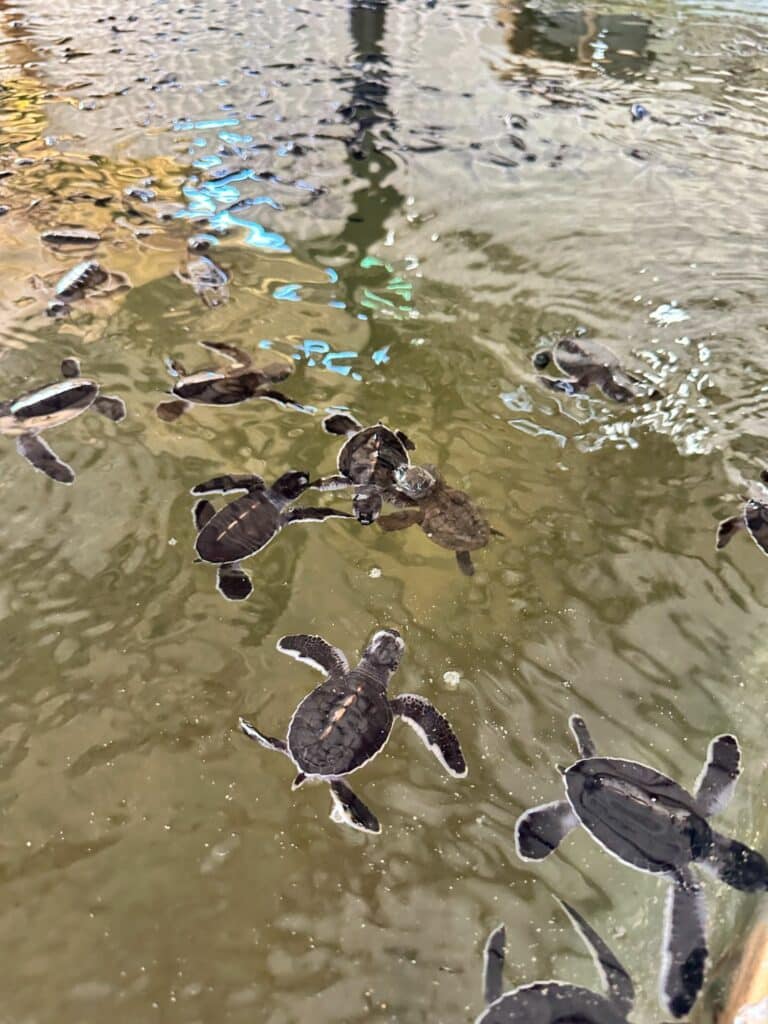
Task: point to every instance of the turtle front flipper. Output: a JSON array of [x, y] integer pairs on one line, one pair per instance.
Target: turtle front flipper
[[269, 742], [405, 441], [306, 514], [232, 582], [203, 513], [464, 562], [349, 809], [171, 410], [315, 652], [400, 520], [280, 399], [493, 965], [684, 950], [331, 483], [727, 529], [225, 484], [110, 407], [581, 734], [70, 367], [433, 729], [714, 787], [341, 423], [612, 972], [540, 831], [756, 520], [737, 865], [366, 504], [38, 454], [236, 355]]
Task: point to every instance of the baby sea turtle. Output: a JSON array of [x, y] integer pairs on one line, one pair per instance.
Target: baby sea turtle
[[366, 461], [447, 516], [224, 385], [588, 362], [649, 822], [753, 517], [556, 1002], [207, 279], [248, 524], [27, 416], [346, 721]]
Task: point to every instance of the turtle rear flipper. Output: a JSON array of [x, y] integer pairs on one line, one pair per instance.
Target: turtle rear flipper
[[235, 355], [341, 423], [493, 965], [464, 561], [727, 529], [270, 742], [612, 972], [433, 729], [110, 407], [232, 582], [581, 734], [314, 651], [737, 865], [349, 809], [70, 367], [38, 454], [540, 831], [684, 951], [714, 787], [171, 410], [227, 483]]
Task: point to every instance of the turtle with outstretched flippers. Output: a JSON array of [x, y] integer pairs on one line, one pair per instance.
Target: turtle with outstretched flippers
[[27, 416], [346, 721], [648, 821], [588, 362], [448, 517], [557, 1002], [367, 462], [247, 524], [224, 385], [752, 517]]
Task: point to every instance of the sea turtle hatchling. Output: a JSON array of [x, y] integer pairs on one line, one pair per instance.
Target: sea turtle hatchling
[[752, 517], [27, 416], [448, 517], [588, 362], [366, 461], [346, 721], [246, 525], [224, 385], [207, 279], [556, 1002], [649, 822]]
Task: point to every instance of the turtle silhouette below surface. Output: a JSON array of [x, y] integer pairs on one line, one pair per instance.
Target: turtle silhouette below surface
[[227, 385], [588, 362], [753, 517], [367, 461], [346, 721], [447, 516], [649, 822], [557, 1002], [246, 525], [51, 406]]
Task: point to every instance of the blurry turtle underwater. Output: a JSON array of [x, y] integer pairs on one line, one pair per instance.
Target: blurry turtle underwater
[[376, 215]]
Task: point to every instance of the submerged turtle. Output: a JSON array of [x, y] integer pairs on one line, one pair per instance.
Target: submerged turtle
[[207, 279], [25, 417], [447, 516], [556, 1002], [346, 721], [248, 524], [225, 385], [753, 517], [367, 461], [588, 362], [649, 822]]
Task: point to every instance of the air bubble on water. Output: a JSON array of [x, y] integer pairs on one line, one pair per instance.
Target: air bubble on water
[[172, 542], [374, 573], [452, 679]]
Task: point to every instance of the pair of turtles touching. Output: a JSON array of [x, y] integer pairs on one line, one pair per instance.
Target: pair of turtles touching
[[649, 822], [584, 363]]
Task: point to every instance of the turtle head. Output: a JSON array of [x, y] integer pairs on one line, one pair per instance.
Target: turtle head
[[291, 484], [385, 650], [415, 481], [542, 359]]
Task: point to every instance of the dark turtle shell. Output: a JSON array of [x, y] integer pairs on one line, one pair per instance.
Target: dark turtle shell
[[576, 356], [372, 455], [641, 816], [55, 403], [342, 724], [552, 1002], [238, 530], [452, 520]]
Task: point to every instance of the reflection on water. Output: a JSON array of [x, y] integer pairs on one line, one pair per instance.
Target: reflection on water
[[407, 200]]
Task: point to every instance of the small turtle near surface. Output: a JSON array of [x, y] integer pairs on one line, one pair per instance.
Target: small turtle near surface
[[649, 822], [447, 516], [207, 280], [367, 461], [753, 517], [556, 1002], [588, 362], [246, 525], [225, 385], [346, 721], [50, 406]]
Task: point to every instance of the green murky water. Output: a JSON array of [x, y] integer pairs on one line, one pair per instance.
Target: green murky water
[[431, 192]]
